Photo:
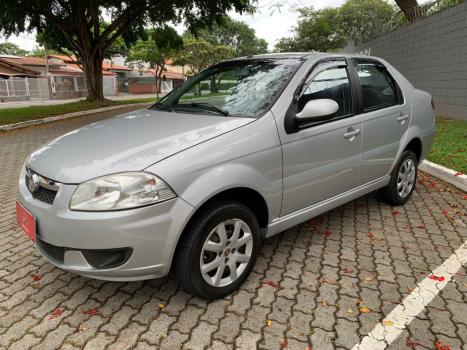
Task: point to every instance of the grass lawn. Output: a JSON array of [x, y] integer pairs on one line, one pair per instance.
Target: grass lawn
[[450, 146], [21, 114]]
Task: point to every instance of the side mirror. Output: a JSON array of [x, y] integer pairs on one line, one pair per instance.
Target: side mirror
[[319, 109]]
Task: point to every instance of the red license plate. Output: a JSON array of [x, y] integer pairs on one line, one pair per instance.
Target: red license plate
[[26, 221]]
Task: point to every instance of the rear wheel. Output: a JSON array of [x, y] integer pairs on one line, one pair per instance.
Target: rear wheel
[[403, 180], [218, 251]]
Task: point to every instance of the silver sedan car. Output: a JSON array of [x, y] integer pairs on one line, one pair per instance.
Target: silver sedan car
[[240, 152]]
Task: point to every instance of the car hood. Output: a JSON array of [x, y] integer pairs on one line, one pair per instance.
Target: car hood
[[129, 142]]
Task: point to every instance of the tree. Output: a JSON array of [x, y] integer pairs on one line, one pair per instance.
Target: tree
[[236, 34], [199, 54], [330, 28], [364, 20], [12, 49], [77, 25], [410, 9], [317, 30], [162, 44]]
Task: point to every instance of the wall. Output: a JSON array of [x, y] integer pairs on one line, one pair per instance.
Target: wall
[[432, 54]]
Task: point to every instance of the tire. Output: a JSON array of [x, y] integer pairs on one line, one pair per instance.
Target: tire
[[393, 193], [220, 252]]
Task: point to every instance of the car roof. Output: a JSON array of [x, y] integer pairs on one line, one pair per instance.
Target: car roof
[[312, 55]]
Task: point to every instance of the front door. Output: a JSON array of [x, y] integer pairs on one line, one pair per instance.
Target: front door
[[322, 160]]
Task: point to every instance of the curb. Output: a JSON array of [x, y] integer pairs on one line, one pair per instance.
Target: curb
[[450, 176], [25, 124]]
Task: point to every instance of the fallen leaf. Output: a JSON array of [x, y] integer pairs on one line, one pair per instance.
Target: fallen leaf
[[36, 278], [440, 346], [271, 284], [284, 343], [81, 328], [268, 323], [388, 323], [347, 270], [327, 233], [309, 347], [394, 212], [364, 309], [324, 303], [421, 226], [411, 344], [370, 235], [56, 313], [90, 312], [459, 173], [465, 197], [432, 184], [349, 311], [161, 306], [436, 278], [367, 279]]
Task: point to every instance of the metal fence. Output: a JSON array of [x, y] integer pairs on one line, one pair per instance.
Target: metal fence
[[53, 87], [15, 89]]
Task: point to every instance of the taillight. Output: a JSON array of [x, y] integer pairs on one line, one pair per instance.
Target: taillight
[[432, 104]]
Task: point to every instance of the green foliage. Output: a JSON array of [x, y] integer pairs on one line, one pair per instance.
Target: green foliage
[[12, 49], [364, 20], [161, 44], [79, 25], [331, 28], [236, 34], [199, 54]]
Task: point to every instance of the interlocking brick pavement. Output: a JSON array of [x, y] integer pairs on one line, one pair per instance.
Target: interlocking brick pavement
[[323, 284]]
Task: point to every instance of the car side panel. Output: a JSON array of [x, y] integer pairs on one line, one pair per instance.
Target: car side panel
[[249, 156]]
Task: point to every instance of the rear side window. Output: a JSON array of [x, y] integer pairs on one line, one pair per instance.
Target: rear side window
[[378, 87], [332, 83]]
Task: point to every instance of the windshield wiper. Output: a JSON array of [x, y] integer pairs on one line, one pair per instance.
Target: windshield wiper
[[163, 106], [205, 106]]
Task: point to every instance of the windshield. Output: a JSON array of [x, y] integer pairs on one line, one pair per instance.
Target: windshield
[[243, 88]]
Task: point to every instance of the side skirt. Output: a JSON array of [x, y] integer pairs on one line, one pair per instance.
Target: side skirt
[[280, 224]]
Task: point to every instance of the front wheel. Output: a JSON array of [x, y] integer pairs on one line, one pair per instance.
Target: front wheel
[[218, 251], [403, 180]]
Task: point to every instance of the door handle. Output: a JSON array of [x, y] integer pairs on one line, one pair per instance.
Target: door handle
[[403, 117], [350, 135]]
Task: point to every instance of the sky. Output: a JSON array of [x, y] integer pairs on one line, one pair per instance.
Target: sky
[[271, 23]]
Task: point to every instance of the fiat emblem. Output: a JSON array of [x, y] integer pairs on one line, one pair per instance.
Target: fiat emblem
[[33, 183]]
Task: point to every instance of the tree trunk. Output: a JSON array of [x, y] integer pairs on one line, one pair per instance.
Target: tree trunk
[[410, 9], [92, 65]]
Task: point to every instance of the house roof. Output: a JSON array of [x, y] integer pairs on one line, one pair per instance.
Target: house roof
[[65, 58], [107, 66], [28, 61], [11, 65]]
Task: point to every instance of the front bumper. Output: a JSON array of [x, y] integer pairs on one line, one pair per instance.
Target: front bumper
[[148, 235]]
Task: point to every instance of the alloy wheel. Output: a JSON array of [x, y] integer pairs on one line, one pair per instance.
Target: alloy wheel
[[226, 252]]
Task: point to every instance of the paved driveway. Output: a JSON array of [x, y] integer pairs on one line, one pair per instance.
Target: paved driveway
[[324, 284]]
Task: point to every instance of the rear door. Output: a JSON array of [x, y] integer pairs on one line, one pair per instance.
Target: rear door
[[386, 117]]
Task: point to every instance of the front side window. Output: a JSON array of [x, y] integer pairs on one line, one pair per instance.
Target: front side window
[[244, 88], [378, 87], [332, 83]]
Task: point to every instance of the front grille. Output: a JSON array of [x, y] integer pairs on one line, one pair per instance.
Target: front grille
[[42, 194]]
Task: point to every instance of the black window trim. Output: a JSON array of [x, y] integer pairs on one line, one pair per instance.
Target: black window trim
[[371, 61], [290, 122]]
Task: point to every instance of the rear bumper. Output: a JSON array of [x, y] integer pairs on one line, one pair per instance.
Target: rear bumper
[[139, 242]]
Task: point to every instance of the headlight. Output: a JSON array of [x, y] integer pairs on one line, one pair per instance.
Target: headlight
[[120, 191]]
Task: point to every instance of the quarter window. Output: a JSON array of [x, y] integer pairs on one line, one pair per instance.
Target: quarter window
[[378, 87], [332, 83]]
